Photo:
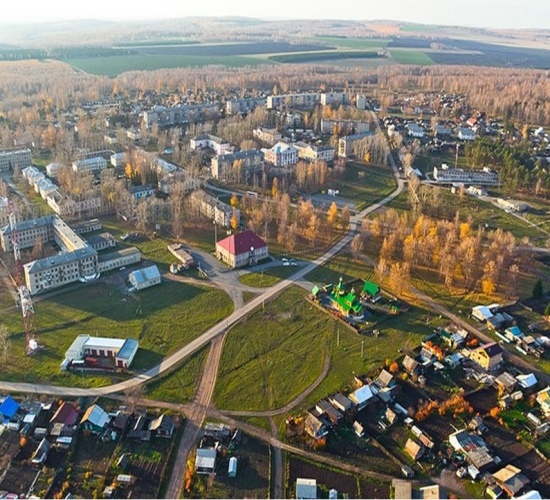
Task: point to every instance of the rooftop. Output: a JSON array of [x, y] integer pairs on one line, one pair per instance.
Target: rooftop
[[241, 243]]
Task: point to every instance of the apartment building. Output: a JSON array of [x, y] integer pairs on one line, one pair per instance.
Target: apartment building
[[65, 206], [4, 217], [180, 115], [334, 98], [242, 106], [32, 175], [268, 136], [250, 160], [361, 101], [346, 144], [217, 144], [216, 210], [281, 155], [458, 175], [311, 152], [344, 127], [305, 100], [95, 164], [9, 159]]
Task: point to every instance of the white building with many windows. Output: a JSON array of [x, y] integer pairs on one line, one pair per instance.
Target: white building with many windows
[[217, 144], [96, 164], [9, 159], [305, 100], [452, 175], [281, 155]]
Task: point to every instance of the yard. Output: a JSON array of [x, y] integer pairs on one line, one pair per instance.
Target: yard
[[347, 485], [162, 318], [268, 277]]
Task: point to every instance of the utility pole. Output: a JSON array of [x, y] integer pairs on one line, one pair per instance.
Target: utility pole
[[456, 157], [362, 349]]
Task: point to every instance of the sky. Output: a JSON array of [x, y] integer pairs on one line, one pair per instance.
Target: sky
[[476, 13]]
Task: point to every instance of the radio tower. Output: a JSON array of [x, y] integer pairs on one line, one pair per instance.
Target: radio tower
[[27, 309]]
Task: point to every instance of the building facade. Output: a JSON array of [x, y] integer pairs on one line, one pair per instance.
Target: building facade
[[346, 144], [305, 100], [9, 159], [218, 211], [145, 278], [180, 115], [344, 127], [217, 144], [281, 155], [242, 106], [242, 249], [96, 164], [250, 160], [310, 152], [452, 175], [267, 135]]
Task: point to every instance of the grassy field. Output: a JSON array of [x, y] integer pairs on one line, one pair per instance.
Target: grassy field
[[115, 65], [162, 318], [365, 184], [342, 265], [179, 385], [268, 277], [290, 336], [353, 43], [411, 57]]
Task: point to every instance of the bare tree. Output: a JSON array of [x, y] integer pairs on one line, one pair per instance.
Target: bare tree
[[5, 342]]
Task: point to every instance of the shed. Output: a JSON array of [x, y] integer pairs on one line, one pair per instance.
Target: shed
[[232, 470], [9, 408], [414, 449], [144, 278], [506, 381], [340, 402], [527, 381], [205, 461], [361, 396], [163, 426]]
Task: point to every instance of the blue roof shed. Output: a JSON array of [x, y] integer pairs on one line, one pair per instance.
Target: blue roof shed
[[9, 408]]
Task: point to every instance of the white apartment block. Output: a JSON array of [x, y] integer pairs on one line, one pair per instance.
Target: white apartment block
[[458, 175], [96, 164], [251, 160], [4, 217], [9, 159], [242, 106], [118, 160], [179, 115], [217, 144], [306, 100], [335, 98], [361, 101], [281, 155], [32, 175], [267, 135]]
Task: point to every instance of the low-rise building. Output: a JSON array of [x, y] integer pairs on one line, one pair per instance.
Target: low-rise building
[[511, 480], [101, 241], [218, 211], [95, 419], [281, 155], [96, 164], [178, 251], [139, 192], [120, 351], [343, 127], [346, 144], [311, 152], [267, 135], [304, 100], [12, 158], [306, 488], [217, 144], [488, 356], [466, 134], [116, 260], [118, 160], [415, 130], [453, 175], [145, 278], [473, 447], [242, 249], [52, 169], [512, 205], [205, 461]]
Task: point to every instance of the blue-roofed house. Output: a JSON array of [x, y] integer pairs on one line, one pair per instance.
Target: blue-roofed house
[[513, 333], [144, 278], [8, 408]]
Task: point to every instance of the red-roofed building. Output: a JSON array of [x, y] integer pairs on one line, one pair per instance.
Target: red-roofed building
[[242, 249]]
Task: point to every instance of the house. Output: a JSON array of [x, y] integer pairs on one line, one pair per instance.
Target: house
[[506, 382], [281, 155], [384, 380], [513, 333], [66, 414], [511, 480], [145, 278], [306, 488], [415, 130], [162, 426], [466, 134], [315, 427], [414, 449], [488, 356], [340, 402], [442, 130], [361, 397], [8, 408], [95, 419], [543, 399], [242, 249], [473, 447], [323, 407], [96, 164], [205, 461], [527, 381]]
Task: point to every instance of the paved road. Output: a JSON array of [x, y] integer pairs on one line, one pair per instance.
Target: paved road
[[195, 417]]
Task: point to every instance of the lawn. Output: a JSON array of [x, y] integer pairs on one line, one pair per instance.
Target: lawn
[[162, 318], [267, 277], [353, 43], [179, 385], [365, 184], [411, 57], [115, 65], [290, 336], [345, 265]]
